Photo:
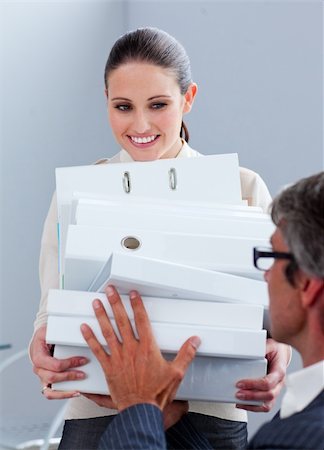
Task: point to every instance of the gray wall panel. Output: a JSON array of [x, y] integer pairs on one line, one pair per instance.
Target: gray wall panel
[[53, 113], [258, 65]]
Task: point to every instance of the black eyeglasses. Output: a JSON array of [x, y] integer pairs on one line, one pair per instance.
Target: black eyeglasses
[[263, 258]]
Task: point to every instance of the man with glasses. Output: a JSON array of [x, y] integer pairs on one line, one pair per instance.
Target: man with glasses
[[142, 383]]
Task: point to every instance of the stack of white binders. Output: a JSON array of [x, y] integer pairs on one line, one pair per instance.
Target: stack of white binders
[[178, 232]]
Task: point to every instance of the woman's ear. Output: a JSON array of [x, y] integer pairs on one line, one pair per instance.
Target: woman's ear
[[106, 93], [190, 97]]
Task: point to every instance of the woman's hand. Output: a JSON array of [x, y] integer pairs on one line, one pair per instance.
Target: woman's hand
[[52, 370], [266, 389]]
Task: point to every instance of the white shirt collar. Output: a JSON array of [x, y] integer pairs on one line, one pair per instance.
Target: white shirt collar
[[185, 152], [302, 387]]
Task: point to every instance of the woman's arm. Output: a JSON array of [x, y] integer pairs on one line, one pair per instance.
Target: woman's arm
[[46, 367]]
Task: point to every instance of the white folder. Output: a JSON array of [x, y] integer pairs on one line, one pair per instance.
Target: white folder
[[88, 248], [217, 179], [226, 342], [232, 221], [207, 378], [66, 303], [157, 278], [167, 179]]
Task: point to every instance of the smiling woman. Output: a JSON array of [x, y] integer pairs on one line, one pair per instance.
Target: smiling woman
[[149, 89], [146, 107]]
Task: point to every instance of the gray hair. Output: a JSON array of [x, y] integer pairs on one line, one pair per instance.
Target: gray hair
[[299, 213]]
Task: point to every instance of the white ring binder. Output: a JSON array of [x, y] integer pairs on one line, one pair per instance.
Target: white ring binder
[[126, 182], [173, 179]]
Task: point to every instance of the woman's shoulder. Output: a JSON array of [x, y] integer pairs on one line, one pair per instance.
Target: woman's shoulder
[[101, 161], [254, 189], [121, 156], [249, 176]]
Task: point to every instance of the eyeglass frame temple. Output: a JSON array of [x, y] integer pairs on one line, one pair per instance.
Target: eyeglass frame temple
[[269, 254]]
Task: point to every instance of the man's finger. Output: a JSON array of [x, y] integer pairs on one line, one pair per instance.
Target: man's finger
[[94, 345], [142, 321], [121, 318], [106, 327], [187, 353]]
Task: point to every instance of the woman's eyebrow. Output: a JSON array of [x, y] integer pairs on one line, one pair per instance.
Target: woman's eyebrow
[[121, 99], [124, 99], [158, 96]]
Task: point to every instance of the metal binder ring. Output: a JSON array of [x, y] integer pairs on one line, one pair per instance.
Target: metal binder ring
[[130, 243], [173, 179], [126, 182]]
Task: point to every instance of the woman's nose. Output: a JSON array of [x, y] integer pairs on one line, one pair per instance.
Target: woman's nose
[[141, 122]]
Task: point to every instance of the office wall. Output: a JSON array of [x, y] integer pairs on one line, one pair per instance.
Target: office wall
[[258, 65], [53, 114]]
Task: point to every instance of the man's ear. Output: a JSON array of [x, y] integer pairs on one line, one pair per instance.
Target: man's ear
[[190, 97], [311, 290]]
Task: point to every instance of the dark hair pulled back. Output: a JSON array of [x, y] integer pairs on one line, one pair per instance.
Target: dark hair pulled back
[[156, 47]]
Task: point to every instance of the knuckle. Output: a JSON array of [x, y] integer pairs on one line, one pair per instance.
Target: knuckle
[[271, 396], [109, 334], [48, 395], [51, 378], [71, 376], [74, 362], [265, 384], [37, 361], [178, 374], [57, 366]]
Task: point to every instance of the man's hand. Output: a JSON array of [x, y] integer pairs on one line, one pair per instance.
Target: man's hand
[[135, 369], [173, 412], [266, 389]]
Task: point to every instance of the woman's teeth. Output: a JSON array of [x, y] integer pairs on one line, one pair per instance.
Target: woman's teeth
[[142, 140]]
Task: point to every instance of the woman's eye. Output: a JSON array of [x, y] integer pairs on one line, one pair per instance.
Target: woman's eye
[[123, 107], [158, 105]]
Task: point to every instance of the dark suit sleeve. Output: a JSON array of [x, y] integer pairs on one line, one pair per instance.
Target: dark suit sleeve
[[138, 427], [303, 430]]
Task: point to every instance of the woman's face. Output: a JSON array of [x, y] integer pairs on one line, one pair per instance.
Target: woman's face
[[145, 108]]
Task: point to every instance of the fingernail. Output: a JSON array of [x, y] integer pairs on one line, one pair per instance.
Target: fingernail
[[240, 396], [240, 385], [96, 304], [195, 341], [109, 290], [83, 327], [80, 376], [132, 295], [76, 394], [83, 361]]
